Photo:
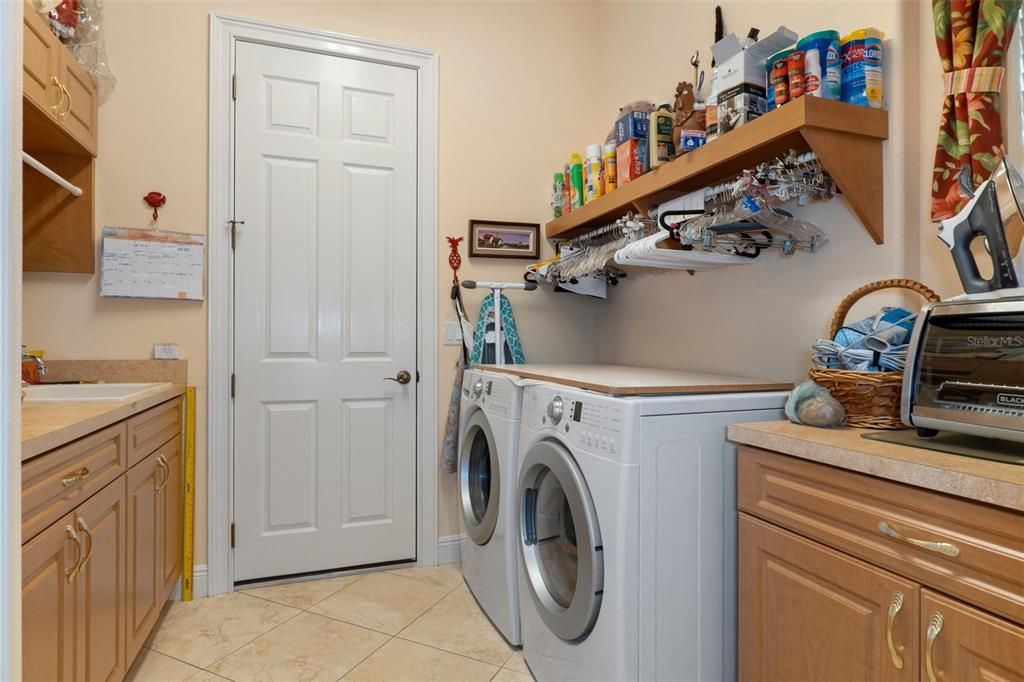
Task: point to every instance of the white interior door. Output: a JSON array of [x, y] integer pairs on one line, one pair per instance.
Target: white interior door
[[325, 312]]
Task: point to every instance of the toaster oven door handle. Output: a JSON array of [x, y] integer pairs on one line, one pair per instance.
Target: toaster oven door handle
[[946, 548]]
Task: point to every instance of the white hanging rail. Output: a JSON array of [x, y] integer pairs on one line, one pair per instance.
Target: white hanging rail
[[74, 190]]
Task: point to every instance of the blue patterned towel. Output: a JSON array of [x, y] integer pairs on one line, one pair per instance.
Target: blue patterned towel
[[483, 344]]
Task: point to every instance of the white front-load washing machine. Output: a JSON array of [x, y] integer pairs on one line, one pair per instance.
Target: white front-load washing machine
[[487, 470], [627, 532]]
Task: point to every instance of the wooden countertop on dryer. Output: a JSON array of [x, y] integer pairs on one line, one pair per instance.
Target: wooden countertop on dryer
[[48, 425], [619, 380], [981, 480]]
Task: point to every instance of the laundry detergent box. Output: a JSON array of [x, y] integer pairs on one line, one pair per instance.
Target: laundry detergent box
[[631, 125], [742, 81], [631, 160]]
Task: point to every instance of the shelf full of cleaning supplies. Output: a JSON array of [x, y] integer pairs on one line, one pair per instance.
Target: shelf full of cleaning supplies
[[847, 139]]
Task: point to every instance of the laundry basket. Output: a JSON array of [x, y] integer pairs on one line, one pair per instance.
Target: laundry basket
[[871, 399]]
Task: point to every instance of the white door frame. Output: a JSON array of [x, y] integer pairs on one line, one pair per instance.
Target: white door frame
[[225, 31], [10, 338]]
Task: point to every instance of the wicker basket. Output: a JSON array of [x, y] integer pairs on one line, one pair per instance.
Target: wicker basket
[[871, 399]]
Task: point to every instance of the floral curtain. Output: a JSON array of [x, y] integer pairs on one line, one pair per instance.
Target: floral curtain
[[973, 37]]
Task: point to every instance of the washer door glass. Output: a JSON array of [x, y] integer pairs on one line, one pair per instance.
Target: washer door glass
[[479, 479], [560, 541]]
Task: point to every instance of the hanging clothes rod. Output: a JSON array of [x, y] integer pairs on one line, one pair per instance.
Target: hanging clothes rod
[[74, 190]]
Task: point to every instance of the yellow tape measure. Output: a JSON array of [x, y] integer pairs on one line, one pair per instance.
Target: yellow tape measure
[[190, 493]]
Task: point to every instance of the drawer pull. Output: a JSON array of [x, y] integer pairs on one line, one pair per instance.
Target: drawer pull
[[894, 649], [946, 548], [60, 95], [72, 535], [76, 477], [164, 467], [88, 536], [934, 628]]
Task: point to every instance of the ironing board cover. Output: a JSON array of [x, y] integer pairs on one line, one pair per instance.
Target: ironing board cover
[[509, 332]]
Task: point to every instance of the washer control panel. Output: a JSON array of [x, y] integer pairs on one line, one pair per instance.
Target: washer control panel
[[593, 422], [498, 395]]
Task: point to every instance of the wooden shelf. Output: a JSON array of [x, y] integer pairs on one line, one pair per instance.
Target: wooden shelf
[[846, 138]]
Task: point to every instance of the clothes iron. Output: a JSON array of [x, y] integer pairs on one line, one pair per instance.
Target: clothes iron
[[996, 213]]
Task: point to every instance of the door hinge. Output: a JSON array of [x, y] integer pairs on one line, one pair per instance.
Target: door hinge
[[232, 535], [234, 86], [234, 231], [232, 385]]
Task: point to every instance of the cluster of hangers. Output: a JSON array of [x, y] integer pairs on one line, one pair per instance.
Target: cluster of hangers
[[729, 224]]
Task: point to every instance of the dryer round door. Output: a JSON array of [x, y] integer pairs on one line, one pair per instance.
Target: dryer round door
[[479, 479], [560, 541]]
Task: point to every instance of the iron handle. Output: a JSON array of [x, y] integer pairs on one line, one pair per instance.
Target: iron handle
[[946, 548], [402, 377], [88, 535], [76, 477], [934, 628], [894, 649], [72, 535]]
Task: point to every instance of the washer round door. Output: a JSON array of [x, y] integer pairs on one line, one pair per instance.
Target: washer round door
[[560, 541], [479, 479]]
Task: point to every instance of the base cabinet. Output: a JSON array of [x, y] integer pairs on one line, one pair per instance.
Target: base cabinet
[[820, 608], [94, 582], [805, 608]]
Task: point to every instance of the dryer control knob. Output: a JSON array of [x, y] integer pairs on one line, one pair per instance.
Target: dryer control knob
[[556, 408], [478, 388]]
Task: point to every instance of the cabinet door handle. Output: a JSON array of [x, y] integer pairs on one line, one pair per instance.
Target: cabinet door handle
[[72, 535], [934, 628], [946, 548], [68, 109], [167, 472], [76, 477], [894, 650], [55, 107], [80, 522]]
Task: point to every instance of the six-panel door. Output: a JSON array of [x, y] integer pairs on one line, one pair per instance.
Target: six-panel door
[[810, 613]]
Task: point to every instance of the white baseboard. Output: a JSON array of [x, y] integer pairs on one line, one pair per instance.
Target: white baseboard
[[448, 549], [200, 584]]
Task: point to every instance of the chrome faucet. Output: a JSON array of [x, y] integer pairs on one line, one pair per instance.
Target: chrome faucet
[[36, 359]]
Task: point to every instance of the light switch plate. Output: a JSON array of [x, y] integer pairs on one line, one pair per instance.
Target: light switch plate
[[166, 351], [451, 333]]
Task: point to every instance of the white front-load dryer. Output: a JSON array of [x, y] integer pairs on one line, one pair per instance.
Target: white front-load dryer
[[487, 470]]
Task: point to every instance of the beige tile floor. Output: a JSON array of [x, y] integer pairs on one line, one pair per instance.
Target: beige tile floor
[[402, 625]]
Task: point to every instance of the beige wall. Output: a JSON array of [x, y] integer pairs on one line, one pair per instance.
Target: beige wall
[[760, 320], [522, 84]]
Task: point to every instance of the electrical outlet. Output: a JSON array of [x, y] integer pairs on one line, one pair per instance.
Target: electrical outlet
[[451, 333]]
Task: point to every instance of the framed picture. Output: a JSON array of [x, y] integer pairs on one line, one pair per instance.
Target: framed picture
[[497, 239]]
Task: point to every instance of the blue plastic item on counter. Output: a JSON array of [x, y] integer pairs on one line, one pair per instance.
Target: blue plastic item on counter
[[826, 43]]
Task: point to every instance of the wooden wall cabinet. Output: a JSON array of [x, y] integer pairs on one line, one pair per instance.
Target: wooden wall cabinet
[[95, 580], [817, 603], [61, 131]]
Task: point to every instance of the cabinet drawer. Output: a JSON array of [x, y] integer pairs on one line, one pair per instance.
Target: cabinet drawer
[[963, 548], [54, 483], [151, 429]]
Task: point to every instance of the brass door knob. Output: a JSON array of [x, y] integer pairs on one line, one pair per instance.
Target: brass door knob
[[402, 377]]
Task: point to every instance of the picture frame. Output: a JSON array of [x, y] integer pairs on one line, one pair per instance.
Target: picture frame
[[502, 239]]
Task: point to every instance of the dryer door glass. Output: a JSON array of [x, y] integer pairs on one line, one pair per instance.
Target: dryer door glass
[[560, 541], [479, 479]]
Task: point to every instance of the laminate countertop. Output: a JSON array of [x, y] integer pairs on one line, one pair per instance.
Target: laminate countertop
[[981, 480], [49, 425]]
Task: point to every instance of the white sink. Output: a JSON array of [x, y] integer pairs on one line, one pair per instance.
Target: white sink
[[89, 393]]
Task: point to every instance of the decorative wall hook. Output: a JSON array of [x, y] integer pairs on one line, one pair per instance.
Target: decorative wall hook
[[155, 200]]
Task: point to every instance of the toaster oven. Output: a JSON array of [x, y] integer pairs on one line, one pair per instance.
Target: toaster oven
[[965, 367]]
